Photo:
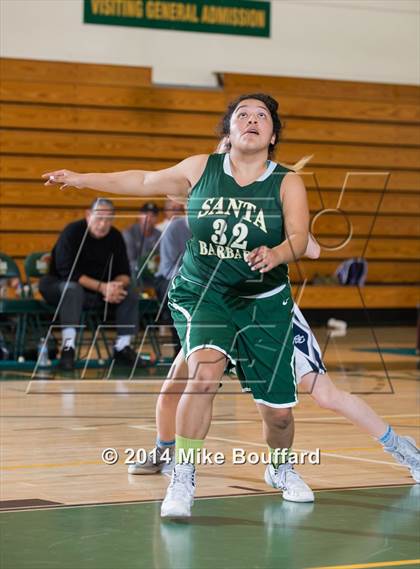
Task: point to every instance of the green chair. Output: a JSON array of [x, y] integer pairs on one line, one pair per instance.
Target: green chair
[[9, 268], [13, 321], [36, 266]]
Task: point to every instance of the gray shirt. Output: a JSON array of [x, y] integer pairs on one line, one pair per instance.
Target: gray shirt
[[139, 245], [172, 246]]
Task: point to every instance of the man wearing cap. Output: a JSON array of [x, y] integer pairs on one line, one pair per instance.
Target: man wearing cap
[[90, 269], [142, 241]]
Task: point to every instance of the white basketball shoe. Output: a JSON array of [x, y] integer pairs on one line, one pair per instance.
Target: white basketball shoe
[[406, 452], [180, 493], [286, 479]]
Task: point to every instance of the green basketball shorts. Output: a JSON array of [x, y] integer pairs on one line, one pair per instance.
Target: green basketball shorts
[[254, 333]]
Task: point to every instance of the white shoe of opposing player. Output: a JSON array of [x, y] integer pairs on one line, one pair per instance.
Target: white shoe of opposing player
[[286, 479], [406, 452], [157, 460], [180, 493]]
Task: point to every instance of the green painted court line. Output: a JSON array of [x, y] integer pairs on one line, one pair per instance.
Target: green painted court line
[[393, 351], [260, 531]]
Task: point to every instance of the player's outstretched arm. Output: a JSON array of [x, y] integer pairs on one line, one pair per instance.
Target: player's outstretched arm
[[177, 180], [313, 249]]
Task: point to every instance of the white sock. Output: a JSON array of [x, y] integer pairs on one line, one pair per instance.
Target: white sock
[[122, 342], [69, 337]]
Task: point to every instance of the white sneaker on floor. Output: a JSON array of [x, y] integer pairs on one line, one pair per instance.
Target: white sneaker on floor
[[285, 478], [180, 493], [406, 452]]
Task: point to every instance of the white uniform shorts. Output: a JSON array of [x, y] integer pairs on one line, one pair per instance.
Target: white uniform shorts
[[308, 355]]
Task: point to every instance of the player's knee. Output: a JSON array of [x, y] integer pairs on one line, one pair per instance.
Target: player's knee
[[204, 380], [327, 397], [283, 423], [204, 387], [280, 418]]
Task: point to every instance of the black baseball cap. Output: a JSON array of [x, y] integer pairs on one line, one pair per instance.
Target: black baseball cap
[[149, 207]]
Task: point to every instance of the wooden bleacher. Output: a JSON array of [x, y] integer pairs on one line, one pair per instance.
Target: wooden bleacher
[[100, 118]]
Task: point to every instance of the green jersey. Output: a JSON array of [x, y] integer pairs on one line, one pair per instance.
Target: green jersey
[[227, 221]]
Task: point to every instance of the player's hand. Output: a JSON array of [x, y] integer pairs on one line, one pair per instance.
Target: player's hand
[[64, 177], [263, 259]]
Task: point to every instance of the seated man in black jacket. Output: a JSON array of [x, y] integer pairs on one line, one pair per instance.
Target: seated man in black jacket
[[90, 269]]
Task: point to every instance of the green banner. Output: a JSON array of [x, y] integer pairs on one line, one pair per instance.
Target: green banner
[[242, 17]]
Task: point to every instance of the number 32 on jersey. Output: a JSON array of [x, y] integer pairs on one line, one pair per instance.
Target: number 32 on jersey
[[239, 234]]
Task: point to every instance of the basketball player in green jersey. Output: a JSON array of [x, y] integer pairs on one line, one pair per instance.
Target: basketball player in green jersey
[[232, 299]]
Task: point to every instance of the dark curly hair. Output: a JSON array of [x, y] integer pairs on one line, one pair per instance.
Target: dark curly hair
[[272, 106]]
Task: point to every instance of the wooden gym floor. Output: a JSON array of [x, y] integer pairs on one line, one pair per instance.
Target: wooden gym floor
[[63, 507]]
